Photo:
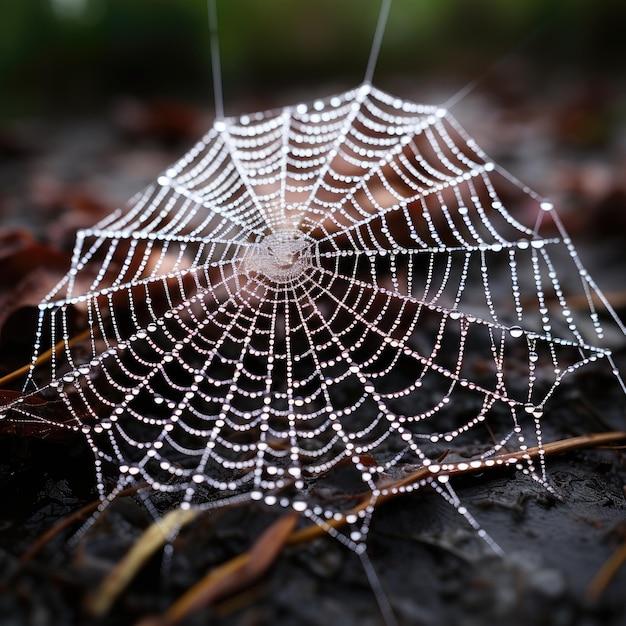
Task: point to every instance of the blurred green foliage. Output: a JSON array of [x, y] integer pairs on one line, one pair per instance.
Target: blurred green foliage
[[74, 55]]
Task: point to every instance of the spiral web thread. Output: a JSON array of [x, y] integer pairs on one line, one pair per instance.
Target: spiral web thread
[[310, 290]]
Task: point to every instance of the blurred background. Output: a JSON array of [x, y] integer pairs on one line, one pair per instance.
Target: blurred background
[[76, 56], [98, 96]]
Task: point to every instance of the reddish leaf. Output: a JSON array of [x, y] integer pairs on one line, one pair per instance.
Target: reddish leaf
[[233, 576], [52, 422]]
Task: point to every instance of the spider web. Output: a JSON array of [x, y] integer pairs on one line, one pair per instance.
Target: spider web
[[348, 286]]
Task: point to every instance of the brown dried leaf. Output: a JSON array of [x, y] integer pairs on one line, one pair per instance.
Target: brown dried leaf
[[235, 575], [21, 254], [151, 540], [51, 424], [28, 270]]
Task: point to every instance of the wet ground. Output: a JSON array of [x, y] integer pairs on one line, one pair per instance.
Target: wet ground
[[433, 567], [58, 176]]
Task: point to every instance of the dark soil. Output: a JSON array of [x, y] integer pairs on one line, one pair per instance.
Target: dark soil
[[56, 177]]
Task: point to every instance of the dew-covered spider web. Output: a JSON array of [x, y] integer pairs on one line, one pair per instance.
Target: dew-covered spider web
[[348, 286]]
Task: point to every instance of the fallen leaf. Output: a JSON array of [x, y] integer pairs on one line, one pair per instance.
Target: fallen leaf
[[152, 539], [21, 253], [233, 576], [52, 423]]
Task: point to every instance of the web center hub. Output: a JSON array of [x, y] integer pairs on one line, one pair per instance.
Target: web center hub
[[281, 255]]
